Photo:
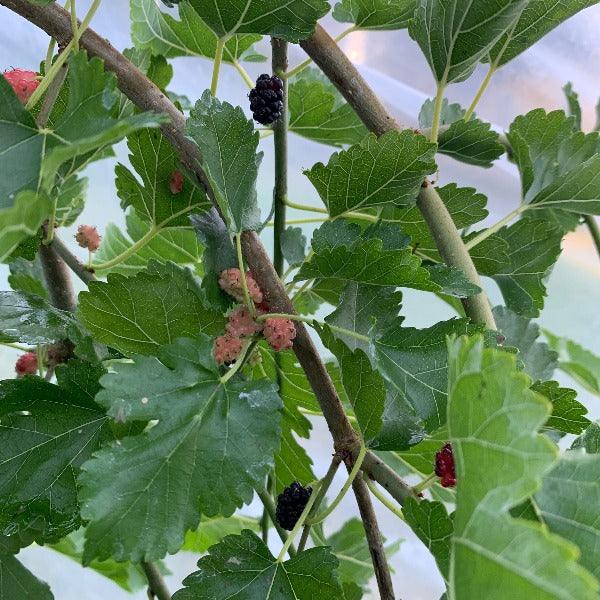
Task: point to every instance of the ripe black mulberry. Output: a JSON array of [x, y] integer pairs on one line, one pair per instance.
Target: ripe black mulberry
[[266, 99], [291, 503]]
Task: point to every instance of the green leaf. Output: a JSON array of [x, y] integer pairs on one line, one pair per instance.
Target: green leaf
[[380, 170], [212, 531], [178, 245], [291, 20], [190, 36], [318, 111], [87, 125], [370, 258], [366, 310], [533, 248], [190, 463], [466, 206], [378, 15], [537, 19], [452, 281], [18, 583], [415, 363], [292, 462], [228, 144], [155, 161], [568, 503], [140, 314], [242, 567], [455, 35], [293, 245], [127, 576], [493, 419], [433, 526], [27, 276], [29, 319], [21, 219], [538, 360], [473, 141], [21, 148], [574, 106], [47, 432], [577, 362], [350, 547], [363, 384], [568, 415], [69, 195], [589, 440]]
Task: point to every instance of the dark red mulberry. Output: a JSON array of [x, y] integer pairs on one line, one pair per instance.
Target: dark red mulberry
[[444, 466]]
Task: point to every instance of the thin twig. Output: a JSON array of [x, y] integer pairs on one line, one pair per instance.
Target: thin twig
[[156, 583], [592, 224], [325, 484], [58, 279], [374, 539], [81, 270]]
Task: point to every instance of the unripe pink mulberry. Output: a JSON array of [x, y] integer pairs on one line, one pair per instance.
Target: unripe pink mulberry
[[176, 183], [231, 283], [280, 333], [27, 364], [24, 83], [227, 348], [88, 237], [242, 324]]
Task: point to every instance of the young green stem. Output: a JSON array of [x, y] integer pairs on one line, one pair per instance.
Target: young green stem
[[244, 74], [133, 249], [62, 57], [382, 498], [19, 347], [292, 536], [312, 322], [280, 129], [303, 65], [325, 484], [425, 484], [74, 26], [486, 233], [269, 506], [482, 88], [355, 469], [214, 84], [242, 268], [437, 112], [324, 211]]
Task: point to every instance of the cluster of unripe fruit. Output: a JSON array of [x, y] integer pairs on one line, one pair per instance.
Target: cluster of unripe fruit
[[24, 83], [241, 324]]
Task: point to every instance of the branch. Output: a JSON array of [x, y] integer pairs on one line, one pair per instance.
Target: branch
[[374, 539], [148, 97], [81, 270], [344, 75], [156, 583], [58, 279]]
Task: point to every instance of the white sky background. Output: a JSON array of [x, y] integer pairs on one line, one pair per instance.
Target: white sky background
[[394, 65]]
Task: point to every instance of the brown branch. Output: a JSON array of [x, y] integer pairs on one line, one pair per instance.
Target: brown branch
[[148, 97], [82, 271], [325, 52], [58, 279], [374, 539], [156, 584]]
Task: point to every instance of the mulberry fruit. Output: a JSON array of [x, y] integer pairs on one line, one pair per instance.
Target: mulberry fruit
[[241, 323], [266, 99], [291, 504], [444, 466], [231, 282], [176, 183], [27, 364], [227, 348], [24, 83], [280, 333], [88, 237]]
